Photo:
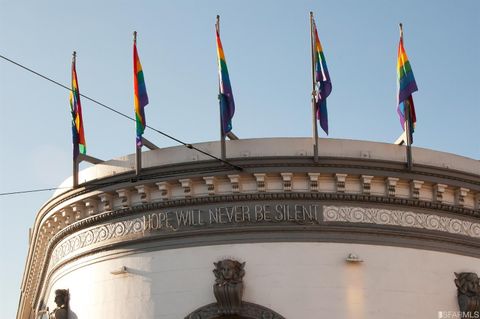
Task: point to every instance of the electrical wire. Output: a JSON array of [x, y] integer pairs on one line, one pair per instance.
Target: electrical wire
[[187, 145]]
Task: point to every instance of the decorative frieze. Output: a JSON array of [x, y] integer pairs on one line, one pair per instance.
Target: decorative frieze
[[187, 187], [164, 188], [124, 196], [107, 201], [340, 182], [366, 184], [287, 181], [391, 185], [415, 187], [261, 182], [460, 195], [235, 182], [389, 217], [144, 192], [313, 177], [438, 190], [210, 182]]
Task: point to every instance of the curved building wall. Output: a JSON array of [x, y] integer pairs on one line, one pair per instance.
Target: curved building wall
[[297, 280], [293, 222]]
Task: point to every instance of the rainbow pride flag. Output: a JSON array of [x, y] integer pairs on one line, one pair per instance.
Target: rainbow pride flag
[[79, 145], [140, 98], [323, 84], [225, 96], [406, 86]]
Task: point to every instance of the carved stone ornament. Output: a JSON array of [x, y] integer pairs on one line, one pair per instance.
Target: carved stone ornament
[[248, 311], [228, 287], [468, 294], [62, 297]]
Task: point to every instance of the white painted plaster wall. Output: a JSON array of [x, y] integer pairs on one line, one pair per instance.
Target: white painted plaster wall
[[297, 280]]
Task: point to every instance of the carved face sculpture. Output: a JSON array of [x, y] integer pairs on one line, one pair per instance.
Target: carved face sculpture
[[229, 271], [468, 283]]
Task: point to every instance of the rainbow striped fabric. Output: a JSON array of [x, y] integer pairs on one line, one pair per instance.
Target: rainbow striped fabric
[[225, 96], [406, 86], [323, 83], [140, 98], [79, 145]]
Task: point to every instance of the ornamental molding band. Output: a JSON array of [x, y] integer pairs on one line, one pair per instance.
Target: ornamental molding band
[[468, 293], [117, 230], [410, 219], [165, 223]]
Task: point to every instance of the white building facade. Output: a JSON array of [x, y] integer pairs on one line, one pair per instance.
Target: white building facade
[[354, 235]]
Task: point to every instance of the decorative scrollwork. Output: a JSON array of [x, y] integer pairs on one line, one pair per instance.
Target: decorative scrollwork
[[96, 235], [401, 218]]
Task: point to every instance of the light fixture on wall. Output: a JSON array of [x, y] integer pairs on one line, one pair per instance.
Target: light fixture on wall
[[353, 258], [122, 270]]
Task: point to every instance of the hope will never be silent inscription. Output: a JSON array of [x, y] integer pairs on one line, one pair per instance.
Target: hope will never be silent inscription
[[174, 220]]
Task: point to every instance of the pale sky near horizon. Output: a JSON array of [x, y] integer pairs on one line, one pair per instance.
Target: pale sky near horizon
[[267, 49]]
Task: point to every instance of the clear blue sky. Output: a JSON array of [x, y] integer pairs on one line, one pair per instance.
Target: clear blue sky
[[267, 49]]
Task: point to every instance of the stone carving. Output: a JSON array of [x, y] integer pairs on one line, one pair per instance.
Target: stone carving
[[400, 218], [62, 297], [248, 310], [95, 235], [228, 287], [468, 294]]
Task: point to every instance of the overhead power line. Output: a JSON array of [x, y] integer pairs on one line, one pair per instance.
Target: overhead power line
[[33, 191], [187, 145]]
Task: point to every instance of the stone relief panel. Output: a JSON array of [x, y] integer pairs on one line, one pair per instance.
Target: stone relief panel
[[388, 217]]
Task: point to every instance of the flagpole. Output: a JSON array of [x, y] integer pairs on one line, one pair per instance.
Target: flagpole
[[76, 154], [407, 121], [223, 148], [138, 150], [314, 107]]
